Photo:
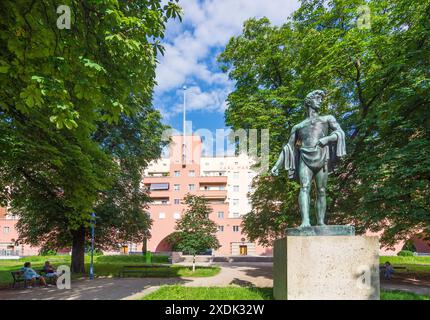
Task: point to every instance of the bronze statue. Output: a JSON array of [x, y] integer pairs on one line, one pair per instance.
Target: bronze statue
[[312, 150]]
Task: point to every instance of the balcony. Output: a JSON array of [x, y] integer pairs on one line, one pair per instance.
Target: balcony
[[160, 201], [212, 194], [213, 180], [158, 179], [214, 174], [157, 194]]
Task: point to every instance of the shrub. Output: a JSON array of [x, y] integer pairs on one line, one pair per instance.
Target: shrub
[[405, 253], [47, 252]]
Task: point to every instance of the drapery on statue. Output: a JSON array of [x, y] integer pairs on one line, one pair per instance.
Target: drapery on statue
[[311, 152]]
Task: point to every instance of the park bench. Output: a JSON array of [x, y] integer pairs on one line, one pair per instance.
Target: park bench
[[18, 276], [142, 270], [403, 268]]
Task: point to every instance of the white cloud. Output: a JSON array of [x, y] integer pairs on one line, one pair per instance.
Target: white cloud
[[208, 25], [198, 100]]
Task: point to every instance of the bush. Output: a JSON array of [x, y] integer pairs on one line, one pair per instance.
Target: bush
[[405, 253], [409, 246], [132, 259], [47, 252]]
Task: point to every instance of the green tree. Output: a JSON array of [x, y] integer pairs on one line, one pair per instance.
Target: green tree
[[195, 231], [70, 100], [377, 80]]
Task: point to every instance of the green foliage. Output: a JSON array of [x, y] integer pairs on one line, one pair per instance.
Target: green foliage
[[47, 252], [402, 295], [409, 246], [407, 261], [76, 122], [378, 88], [210, 293], [104, 266], [134, 258], [405, 253], [195, 232], [252, 293]]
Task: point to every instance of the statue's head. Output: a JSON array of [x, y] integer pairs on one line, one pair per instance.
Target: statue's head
[[314, 99]]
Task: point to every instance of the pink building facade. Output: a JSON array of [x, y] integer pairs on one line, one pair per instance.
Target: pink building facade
[[186, 171], [8, 236]]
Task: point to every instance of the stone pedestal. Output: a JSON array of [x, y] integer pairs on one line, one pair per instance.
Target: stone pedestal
[[326, 268]]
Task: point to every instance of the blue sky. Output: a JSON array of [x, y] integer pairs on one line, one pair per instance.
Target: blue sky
[[190, 58]]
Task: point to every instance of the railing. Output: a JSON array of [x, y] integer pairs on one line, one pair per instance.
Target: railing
[[9, 252], [149, 176]]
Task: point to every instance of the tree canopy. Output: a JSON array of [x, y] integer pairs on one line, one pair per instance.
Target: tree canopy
[[195, 231], [76, 122], [377, 77]]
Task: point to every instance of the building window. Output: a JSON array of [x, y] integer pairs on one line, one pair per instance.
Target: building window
[[220, 214], [236, 188], [162, 215], [6, 230], [164, 201], [236, 163], [235, 228], [235, 202], [159, 186], [191, 187], [176, 187], [176, 216], [177, 173], [236, 175], [191, 173], [220, 228], [177, 201], [236, 214]]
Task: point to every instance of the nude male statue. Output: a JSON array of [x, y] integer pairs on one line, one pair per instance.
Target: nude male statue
[[312, 149]]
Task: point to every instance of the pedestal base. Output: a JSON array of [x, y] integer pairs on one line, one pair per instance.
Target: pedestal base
[[328, 230], [326, 268]]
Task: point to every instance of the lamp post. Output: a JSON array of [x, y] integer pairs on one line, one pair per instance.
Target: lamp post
[[93, 223]]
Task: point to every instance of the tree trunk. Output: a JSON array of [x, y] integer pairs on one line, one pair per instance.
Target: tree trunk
[[78, 251], [144, 246], [194, 263]]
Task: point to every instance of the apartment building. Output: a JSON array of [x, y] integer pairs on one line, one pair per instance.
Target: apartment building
[[8, 236], [223, 181]]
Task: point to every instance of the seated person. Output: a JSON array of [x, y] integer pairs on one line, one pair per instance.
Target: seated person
[[49, 270], [31, 275], [389, 270]]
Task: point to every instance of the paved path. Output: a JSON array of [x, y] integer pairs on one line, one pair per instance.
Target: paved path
[[241, 274]]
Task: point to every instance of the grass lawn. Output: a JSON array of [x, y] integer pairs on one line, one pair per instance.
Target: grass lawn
[[210, 293], [420, 265], [105, 266], [402, 295], [245, 293]]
